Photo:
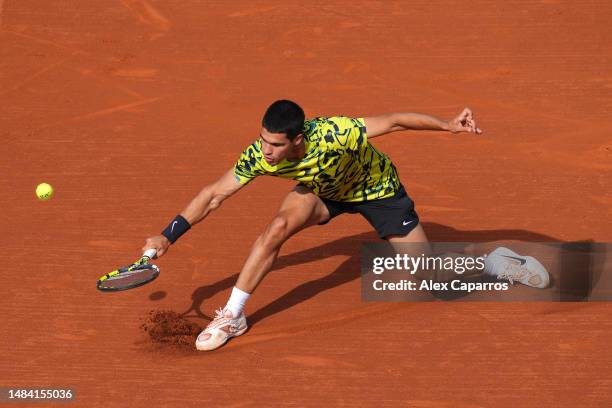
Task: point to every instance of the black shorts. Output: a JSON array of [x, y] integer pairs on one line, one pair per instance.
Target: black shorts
[[389, 216]]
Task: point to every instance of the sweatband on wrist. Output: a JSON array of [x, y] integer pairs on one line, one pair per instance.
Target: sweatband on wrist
[[176, 228]]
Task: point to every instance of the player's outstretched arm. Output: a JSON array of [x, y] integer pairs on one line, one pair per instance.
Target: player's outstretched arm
[[207, 200], [393, 122], [211, 197]]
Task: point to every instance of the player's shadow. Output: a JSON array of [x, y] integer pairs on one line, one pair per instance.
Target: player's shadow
[[349, 269]]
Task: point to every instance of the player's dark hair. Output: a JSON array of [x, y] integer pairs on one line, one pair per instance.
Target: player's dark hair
[[284, 117]]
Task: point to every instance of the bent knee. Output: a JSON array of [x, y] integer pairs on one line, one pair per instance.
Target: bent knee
[[276, 232]]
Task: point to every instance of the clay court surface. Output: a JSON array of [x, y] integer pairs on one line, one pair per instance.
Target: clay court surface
[[129, 107]]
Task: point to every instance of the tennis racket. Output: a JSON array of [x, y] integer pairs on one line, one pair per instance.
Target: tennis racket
[[131, 276]]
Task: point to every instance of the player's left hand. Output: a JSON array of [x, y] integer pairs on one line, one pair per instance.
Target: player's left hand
[[464, 122]]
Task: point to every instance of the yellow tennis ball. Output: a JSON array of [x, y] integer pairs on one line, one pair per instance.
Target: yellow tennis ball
[[44, 191]]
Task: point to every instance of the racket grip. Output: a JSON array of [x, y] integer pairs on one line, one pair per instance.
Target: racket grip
[[150, 253]]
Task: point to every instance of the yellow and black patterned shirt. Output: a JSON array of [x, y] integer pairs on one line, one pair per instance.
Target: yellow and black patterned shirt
[[339, 163]]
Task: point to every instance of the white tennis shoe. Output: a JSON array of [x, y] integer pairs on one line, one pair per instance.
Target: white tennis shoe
[[222, 328], [507, 264]]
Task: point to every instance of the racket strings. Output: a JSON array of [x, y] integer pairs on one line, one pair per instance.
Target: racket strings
[[127, 279], [130, 274]]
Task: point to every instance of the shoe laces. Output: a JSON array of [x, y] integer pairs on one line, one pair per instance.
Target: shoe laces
[[221, 320], [513, 272], [219, 314]]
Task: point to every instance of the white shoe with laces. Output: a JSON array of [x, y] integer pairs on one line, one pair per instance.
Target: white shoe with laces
[[222, 328], [507, 264]]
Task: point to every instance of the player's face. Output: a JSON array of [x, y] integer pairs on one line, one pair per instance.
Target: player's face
[[276, 147]]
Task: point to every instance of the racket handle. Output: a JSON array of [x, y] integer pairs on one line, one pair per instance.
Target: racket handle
[[150, 253]]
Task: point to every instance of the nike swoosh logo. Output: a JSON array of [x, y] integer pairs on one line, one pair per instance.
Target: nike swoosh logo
[[172, 227], [406, 223], [521, 260]]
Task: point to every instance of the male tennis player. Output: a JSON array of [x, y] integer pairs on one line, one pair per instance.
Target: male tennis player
[[338, 171]]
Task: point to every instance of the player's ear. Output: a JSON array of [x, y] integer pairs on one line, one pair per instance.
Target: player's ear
[[298, 139]]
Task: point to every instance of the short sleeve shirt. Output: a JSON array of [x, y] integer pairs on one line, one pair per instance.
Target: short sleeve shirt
[[339, 164]]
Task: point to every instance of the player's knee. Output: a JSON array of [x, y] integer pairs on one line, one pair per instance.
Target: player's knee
[[276, 233]]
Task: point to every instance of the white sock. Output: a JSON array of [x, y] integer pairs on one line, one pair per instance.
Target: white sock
[[236, 302]]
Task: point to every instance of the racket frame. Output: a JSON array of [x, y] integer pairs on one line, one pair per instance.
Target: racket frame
[[141, 264]]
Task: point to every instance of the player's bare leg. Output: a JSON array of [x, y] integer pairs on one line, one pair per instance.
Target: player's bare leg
[[300, 209], [415, 243], [501, 263], [416, 238]]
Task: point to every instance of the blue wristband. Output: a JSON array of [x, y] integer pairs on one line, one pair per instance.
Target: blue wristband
[[176, 228]]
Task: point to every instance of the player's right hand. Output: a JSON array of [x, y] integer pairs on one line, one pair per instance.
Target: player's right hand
[[159, 243], [464, 122]]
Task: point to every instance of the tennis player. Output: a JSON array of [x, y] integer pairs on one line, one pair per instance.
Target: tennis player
[[338, 172]]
